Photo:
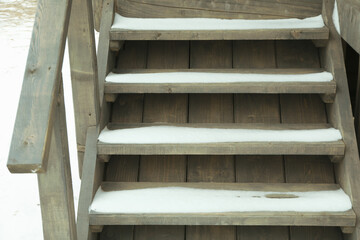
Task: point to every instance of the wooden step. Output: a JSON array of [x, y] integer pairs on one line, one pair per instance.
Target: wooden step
[[220, 139], [149, 203], [221, 81], [125, 28]]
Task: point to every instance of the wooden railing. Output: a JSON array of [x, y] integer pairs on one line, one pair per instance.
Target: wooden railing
[[39, 143]]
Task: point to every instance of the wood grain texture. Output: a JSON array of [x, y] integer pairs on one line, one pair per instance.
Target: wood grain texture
[[304, 109], [219, 9], [55, 185], [261, 34], [91, 179], [84, 74], [349, 16], [257, 108], [128, 108], [210, 108], [340, 114], [33, 125], [245, 87], [233, 218], [164, 108]]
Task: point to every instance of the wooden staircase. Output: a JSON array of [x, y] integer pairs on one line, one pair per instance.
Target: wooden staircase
[[279, 99]]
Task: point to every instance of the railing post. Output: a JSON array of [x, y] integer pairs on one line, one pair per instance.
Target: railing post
[[84, 76], [55, 185]]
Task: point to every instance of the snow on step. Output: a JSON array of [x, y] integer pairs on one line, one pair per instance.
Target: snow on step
[[194, 200], [121, 22], [183, 135], [206, 77]]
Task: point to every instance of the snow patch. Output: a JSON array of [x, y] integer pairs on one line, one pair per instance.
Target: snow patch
[[121, 22], [191, 200], [336, 18], [179, 135], [206, 77]]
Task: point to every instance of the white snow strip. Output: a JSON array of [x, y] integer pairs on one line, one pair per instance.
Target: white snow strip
[[178, 135], [191, 200], [206, 77], [335, 18], [121, 22]]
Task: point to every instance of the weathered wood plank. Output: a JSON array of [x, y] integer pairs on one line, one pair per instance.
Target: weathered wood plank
[[340, 114], [228, 148], [276, 187], [245, 218], [164, 108], [33, 126], [349, 16], [220, 9], [55, 185], [128, 108], [210, 108], [328, 88], [269, 34], [304, 109], [84, 75], [91, 179], [257, 108]]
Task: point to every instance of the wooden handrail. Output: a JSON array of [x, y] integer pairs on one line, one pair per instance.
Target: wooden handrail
[[34, 121], [39, 143]]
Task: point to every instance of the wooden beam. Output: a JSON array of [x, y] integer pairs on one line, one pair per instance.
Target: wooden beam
[[340, 115], [55, 185], [92, 177], [33, 126], [349, 15], [266, 34], [84, 75]]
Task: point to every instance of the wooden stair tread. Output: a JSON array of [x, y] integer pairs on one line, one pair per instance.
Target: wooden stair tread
[[143, 142], [216, 29], [282, 194], [220, 81]]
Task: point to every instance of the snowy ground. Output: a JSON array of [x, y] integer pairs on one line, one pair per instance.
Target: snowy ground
[[20, 216]]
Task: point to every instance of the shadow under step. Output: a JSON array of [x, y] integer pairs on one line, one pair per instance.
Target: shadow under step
[[125, 28], [312, 81], [250, 204], [220, 139]]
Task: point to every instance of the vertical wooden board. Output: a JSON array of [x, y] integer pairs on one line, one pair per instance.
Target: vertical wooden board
[[122, 169], [211, 54], [164, 108], [168, 54], [304, 109], [117, 233], [84, 74], [254, 54], [296, 54], [300, 233], [133, 55], [257, 108], [159, 233], [210, 232], [55, 185], [262, 233], [211, 108], [211, 169], [128, 108]]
